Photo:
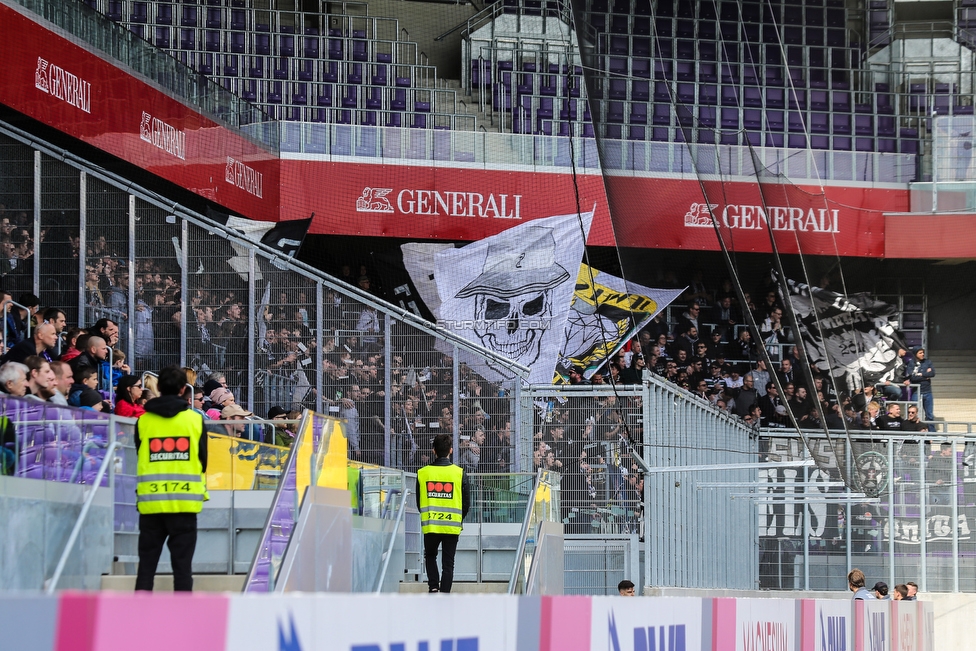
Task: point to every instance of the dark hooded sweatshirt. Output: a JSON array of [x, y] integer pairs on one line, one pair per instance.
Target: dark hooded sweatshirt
[[167, 407]]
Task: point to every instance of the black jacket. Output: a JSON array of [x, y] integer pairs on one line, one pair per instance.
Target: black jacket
[[167, 407], [465, 486]]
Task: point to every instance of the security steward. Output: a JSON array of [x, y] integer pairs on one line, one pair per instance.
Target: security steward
[[171, 448], [443, 497]]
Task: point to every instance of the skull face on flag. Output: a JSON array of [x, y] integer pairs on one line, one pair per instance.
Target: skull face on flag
[[513, 294]]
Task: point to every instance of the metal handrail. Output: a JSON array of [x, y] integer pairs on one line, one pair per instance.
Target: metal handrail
[[52, 583], [4, 312], [523, 535], [289, 466], [389, 548]]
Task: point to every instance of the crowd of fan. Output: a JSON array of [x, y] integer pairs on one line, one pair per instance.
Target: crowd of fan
[[711, 351]]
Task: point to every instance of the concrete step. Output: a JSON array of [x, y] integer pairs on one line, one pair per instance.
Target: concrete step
[[467, 588], [164, 582]]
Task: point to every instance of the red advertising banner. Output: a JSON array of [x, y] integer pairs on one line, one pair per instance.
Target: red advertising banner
[[62, 85], [425, 202]]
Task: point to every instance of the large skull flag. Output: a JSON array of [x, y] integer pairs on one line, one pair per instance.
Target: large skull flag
[[511, 292]]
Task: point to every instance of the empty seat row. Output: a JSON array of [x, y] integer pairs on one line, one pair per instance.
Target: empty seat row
[[257, 67]]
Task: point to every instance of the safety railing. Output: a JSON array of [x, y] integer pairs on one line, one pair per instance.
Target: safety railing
[[317, 458], [388, 553], [542, 506], [79, 523], [252, 305], [910, 517]]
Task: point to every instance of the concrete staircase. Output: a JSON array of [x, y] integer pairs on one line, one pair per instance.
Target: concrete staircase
[[954, 386]]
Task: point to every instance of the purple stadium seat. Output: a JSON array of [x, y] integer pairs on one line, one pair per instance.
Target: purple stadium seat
[[797, 141], [819, 100], [350, 97], [685, 70], [256, 69], [730, 118], [213, 18], [886, 125], [685, 93], [304, 69], [323, 95], [707, 72], [819, 122], [820, 142], [663, 69], [162, 37], [842, 143], [864, 144], [887, 145], [730, 96], [640, 90], [662, 114], [752, 96], [281, 65], [775, 98], [188, 39], [842, 124], [164, 13], [139, 12], [640, 67], [798, 99], [188, 16], [706, 116], [841, 100], [708, 94], [330, 71], [864, 125], [616, 89], [286, 45], [774, 120], [354, 73], [752, 119]]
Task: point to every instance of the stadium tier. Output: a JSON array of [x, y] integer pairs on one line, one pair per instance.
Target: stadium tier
[[519, 110]]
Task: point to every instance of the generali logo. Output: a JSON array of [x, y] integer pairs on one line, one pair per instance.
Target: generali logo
[[63, 85], [163, 136], [756, 218], [437, 203], [244, 177]]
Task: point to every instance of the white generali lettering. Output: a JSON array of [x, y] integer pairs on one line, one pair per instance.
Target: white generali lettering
[[63, 85], [436, 203], [246, 178], [163, 136], [756, 218]]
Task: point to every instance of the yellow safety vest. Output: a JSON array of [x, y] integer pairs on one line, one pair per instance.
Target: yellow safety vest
[[440, 499], [169, 473]]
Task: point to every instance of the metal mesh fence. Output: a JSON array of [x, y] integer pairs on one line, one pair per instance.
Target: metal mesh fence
[[591, 438], [919, 527], [184, 290], [16, 216]]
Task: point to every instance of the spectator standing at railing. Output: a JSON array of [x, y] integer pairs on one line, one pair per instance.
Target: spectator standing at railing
[[786, 373], [18, 318], [41, 342], [938, 471], [891, 420], [747, 397], [920, 371], [144, 335], [761, 377], [913, 423]]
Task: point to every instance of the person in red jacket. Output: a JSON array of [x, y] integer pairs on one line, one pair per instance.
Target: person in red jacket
[[128, 395]]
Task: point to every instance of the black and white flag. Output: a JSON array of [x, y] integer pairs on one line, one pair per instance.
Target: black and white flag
[[853, 337], [510, 292]]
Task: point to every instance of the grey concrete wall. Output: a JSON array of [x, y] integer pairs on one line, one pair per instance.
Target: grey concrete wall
[[37, 519], [425, 21]]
